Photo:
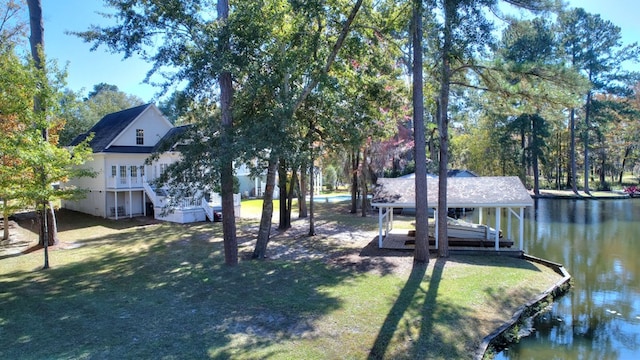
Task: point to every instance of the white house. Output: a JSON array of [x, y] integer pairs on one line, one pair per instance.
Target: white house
[[122, 188]]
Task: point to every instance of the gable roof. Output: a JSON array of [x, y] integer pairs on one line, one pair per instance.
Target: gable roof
[[172, 138], [109, 127], [482, 191]]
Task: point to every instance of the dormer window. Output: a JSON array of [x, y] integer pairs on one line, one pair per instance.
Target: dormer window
[[139, 136]]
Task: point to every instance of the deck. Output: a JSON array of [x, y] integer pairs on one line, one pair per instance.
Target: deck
[[401, 240]]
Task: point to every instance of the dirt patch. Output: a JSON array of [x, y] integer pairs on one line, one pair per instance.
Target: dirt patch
[[337, 244], [20, 238]]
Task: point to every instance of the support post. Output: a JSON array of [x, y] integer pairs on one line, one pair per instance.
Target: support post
[[509, 237], [497, 235], [435, 216], [521, 226], [380, 227]]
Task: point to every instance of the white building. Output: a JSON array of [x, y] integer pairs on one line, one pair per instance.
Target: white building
[[122, 188]]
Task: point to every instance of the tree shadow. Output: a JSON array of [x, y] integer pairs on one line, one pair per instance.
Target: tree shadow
[[421, 325], [400, 307], [157, 296]]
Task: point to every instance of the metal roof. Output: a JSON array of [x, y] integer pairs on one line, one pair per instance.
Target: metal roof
[[483, 191]]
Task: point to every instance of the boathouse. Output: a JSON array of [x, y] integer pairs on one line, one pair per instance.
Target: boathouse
[[479, 193]]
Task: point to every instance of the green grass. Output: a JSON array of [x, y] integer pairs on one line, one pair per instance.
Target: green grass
[[126, 291]]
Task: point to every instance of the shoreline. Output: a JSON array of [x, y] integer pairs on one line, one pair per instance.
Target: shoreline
[[581, 195], [501, 338]]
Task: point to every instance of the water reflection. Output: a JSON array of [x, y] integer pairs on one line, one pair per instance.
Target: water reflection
[[598, 242]]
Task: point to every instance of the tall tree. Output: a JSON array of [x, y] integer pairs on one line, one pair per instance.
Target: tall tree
[[29, 162], [465, 34], [540, 84], [48, 229], [421, 252], [16, 106], [320, 50], [593, 47], [225, 82]]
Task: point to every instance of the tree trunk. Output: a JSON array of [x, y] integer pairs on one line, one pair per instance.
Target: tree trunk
[[302, 195], [572, 152], [36, 42], [5, 220], [355, 164], [627, 151], [443, 127], [585, 140], [603, 161], [312, 223], [523, 153], [535, 147], [226, 171], [52, 225], [364, 183], [559, 164], [292, 189], [264, 231], [285, 214], [421, 252], [36, 38]]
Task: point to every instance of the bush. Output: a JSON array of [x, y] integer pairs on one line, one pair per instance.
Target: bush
[[329, 177], [603, 186]]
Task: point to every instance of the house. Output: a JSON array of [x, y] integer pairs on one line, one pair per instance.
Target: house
[[121, 143]]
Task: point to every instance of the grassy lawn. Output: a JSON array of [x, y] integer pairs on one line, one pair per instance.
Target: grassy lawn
[[128, 290]]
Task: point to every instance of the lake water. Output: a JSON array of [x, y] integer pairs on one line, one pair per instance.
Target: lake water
[[598, 242]]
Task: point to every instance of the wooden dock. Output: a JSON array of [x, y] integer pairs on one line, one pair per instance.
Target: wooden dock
[[401, 240]]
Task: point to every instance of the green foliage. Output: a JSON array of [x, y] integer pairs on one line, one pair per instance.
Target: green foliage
[[329, 177], [13, 26], [80, 114], [31, 164]]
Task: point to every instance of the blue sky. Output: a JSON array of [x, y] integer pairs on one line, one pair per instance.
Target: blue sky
[[87, 68]]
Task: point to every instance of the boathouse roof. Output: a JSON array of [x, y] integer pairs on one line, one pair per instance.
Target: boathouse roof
[[462, 192]]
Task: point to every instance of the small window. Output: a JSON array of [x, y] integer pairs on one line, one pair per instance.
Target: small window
[[142, 171], [134, 171], [113, 171], [139, 136]]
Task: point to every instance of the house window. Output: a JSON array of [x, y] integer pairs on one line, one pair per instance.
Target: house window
[[163, 168], [134, 171], [139, 136], [114, 172], [123, 174], [142, 171]]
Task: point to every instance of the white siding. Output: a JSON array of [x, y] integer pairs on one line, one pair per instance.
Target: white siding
[[155, 126]]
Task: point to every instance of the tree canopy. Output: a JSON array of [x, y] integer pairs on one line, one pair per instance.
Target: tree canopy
[[281, 85]]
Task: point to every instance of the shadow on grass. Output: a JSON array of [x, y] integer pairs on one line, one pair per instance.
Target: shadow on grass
[[158, 292], [418, 305], [397, 313], [420, 326]]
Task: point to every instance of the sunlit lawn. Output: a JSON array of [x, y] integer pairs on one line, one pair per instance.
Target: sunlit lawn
[[125, 291]]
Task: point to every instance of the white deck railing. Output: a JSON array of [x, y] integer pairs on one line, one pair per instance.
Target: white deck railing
[[125, 182]]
